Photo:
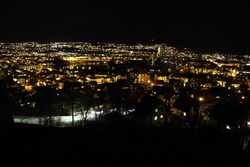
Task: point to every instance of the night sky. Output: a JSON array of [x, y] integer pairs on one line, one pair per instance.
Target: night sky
[[201, 26]]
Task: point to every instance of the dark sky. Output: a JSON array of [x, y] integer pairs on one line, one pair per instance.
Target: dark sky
[[202, 26]]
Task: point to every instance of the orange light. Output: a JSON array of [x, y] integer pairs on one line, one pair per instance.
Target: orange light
[[201, 99]]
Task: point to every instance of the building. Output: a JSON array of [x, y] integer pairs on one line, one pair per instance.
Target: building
[[141, 76], [150, 111]]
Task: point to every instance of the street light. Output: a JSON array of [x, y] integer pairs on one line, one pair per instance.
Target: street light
[[201, 99]]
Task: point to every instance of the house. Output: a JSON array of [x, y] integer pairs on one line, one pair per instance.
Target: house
[[150, 111], [228, 112]]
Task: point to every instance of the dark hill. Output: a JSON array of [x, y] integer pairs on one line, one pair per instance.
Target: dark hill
[[170, 145]]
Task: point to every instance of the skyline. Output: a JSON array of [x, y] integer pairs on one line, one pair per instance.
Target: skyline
[[201, 27]]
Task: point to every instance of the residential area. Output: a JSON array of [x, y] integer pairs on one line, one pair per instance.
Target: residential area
[[73, 83]]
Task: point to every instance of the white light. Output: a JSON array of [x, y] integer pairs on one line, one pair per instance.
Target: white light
[[155, 118], [228, 127]]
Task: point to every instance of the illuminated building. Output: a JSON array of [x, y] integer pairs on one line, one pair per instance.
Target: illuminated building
[[141, 76]]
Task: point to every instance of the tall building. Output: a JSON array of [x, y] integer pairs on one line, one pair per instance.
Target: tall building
[[159, 51]]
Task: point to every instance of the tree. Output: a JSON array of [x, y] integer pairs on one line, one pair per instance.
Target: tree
[[6, 117], [87, 99], [112, 92], [184, 103], [71, 97], [168, 96], [47, 100]]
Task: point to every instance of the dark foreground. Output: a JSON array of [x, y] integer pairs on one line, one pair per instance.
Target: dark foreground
[[165, 146]]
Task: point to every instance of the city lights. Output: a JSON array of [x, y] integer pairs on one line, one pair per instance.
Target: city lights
[[90, 72]]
